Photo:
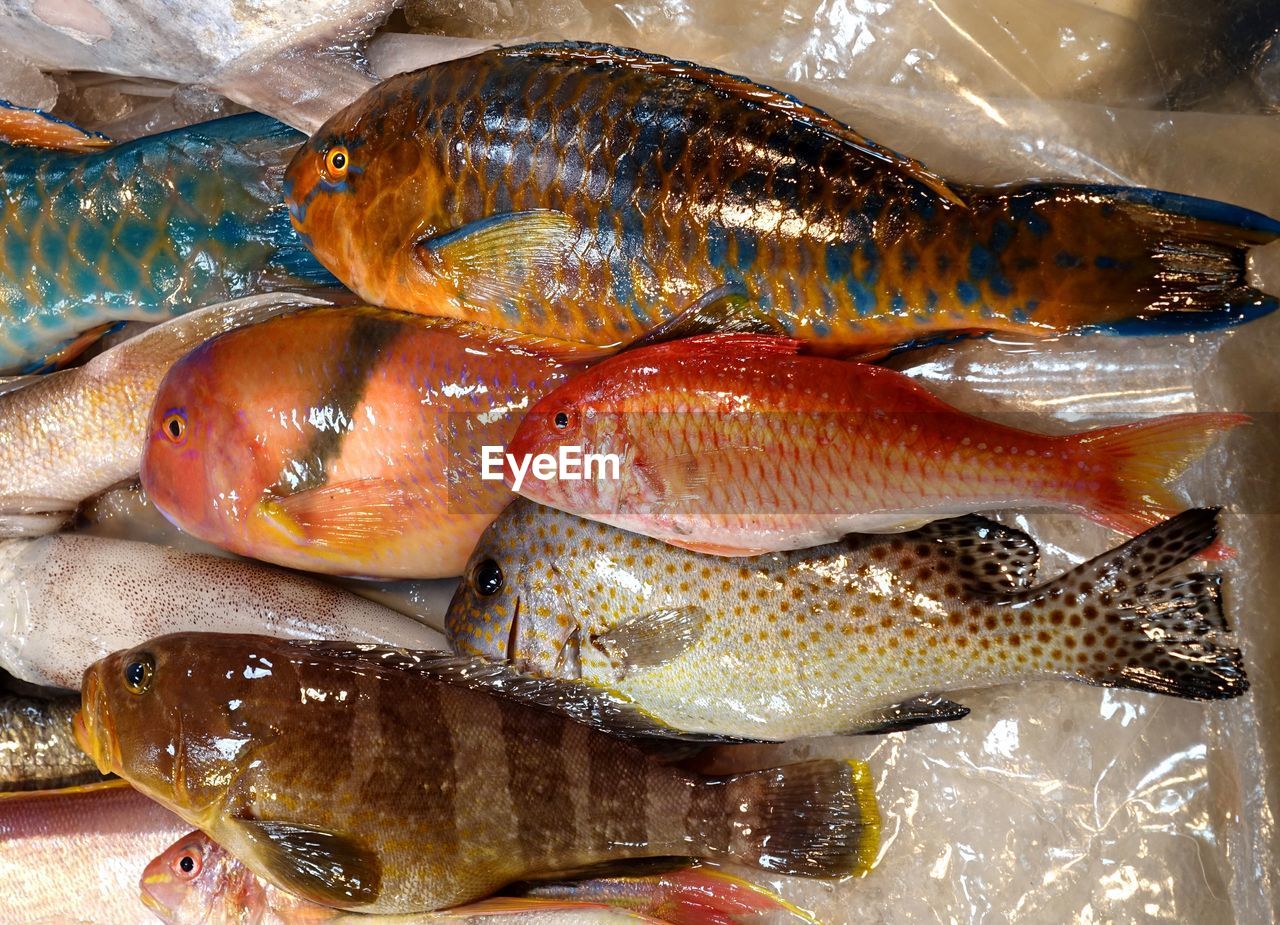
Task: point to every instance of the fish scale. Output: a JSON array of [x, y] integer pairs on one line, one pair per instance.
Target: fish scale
[[648, 185], [143, 231], [855, 636]]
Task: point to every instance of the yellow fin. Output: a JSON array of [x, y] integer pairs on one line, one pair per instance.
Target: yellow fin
[[36, 129], [344, 517], [747, 92]]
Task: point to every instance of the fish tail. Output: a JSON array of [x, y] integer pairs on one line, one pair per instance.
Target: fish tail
[[813, 819], [1139, 460], [1120, 621], [1114, 259]]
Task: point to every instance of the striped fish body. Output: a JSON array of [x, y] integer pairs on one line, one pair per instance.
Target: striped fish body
[[142, 231], [37, 749], [737, 444], [342, 440], [383, 781], [591, 193], [862, 635]]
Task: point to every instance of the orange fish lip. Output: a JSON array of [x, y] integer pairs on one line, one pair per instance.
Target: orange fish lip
[[92, 726]]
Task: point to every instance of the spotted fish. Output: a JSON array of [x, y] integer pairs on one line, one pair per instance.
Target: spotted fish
[[867, 634], [465, 783], [595, 194], [93, 233]]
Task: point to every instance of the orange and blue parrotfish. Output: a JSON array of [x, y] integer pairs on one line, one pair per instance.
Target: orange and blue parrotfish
[[594, 194], [93, 233]]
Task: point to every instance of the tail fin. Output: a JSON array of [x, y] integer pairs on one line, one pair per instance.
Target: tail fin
[[814, 819], [1125, 260], [1134, 628], [1141, 459]]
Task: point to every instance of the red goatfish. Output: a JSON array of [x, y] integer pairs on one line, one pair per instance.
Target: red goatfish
[[343, 440], [736, 444]]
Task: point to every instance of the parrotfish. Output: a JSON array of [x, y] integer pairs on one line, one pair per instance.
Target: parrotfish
[[68, 600], [73, 433], [737, 444], [37, 748], [346, 441], [598, 194], [198, 882], [74, 855], [466, 782], [95, 234], [868, 634]]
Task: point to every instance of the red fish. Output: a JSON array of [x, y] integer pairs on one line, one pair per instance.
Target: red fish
[[342, 440], [736, 444]]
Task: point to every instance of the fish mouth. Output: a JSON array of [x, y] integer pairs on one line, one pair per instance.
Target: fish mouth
[[92, 725]]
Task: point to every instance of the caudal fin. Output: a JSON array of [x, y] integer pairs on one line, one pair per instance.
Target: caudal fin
[[1133, 626], [814, 819], [1121, 260], [1138, 462]]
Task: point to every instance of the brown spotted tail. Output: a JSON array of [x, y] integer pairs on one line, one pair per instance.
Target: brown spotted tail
[[1128, 624], [814, 819]]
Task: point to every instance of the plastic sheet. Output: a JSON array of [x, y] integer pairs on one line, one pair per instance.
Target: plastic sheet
[[1050, 802]]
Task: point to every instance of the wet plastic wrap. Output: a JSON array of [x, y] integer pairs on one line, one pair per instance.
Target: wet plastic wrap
[[1049, 802]]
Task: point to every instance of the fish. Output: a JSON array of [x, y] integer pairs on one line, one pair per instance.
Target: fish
[[74, 855], [868, 634], [297, 61], [602, 196], [37, 748], [68, 600], [470, 782], [346, 441], [196, 880], [71, 434], [92, 234], [737, 444]]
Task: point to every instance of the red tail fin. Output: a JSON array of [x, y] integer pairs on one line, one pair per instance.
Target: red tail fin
[[1142, 459]]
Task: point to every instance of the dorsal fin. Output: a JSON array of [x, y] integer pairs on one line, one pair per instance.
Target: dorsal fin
[[743, 90], [988, 556], [33, 128]]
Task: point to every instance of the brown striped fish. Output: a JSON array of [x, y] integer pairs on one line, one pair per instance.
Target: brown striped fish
[[386, 781]]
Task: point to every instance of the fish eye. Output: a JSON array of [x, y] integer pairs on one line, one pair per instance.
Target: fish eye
[[336, 161], [175, 426], [138, 674], [487, 578], [561, 420], [188, 863]]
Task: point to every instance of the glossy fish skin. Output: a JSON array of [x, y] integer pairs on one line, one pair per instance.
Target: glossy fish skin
[[466, 787], [68, 600], [74, 856], [198, 882], [143, 231], [37, 748], [591, 193], [344, 440], [861, 635], [736, 444], [76, 432]]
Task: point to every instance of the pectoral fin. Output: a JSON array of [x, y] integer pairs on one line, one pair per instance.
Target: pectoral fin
[[500, 259], [36, 129], [344, 517], [918, 711], [652, 638], [321, 866]]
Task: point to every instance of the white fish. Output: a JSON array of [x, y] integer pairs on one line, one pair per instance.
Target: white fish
[[297, 60], [68, 600], [72, 434]]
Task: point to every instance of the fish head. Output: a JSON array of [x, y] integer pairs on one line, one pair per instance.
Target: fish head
[[201, 458], [198, 882], [585, 443], [511, 603], [360, 194], [166, 716]]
